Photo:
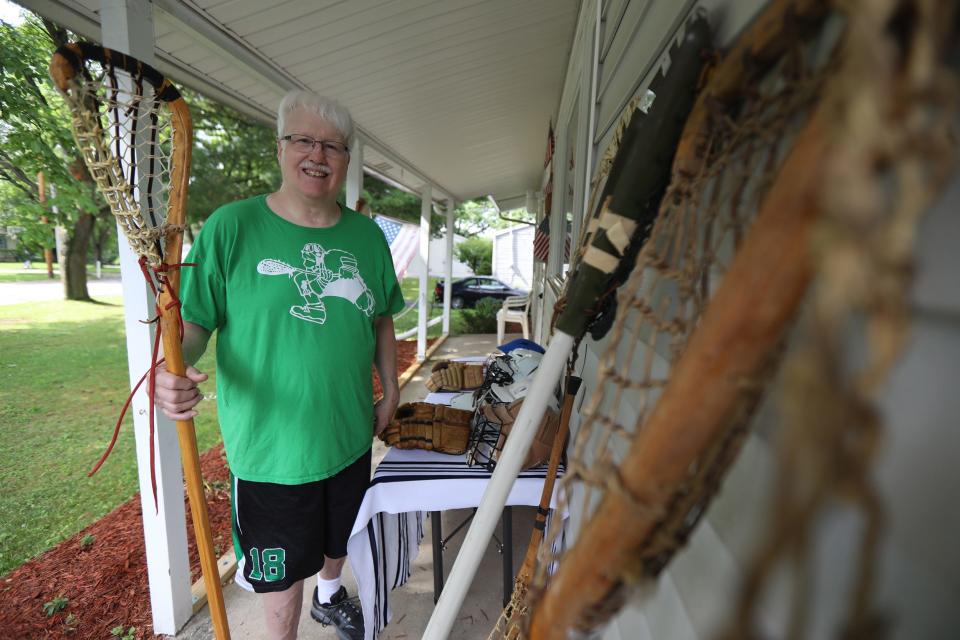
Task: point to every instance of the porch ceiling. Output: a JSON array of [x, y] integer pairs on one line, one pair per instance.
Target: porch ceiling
[[455, 92]]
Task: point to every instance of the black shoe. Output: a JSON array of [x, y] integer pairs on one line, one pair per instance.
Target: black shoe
[[341, 612]]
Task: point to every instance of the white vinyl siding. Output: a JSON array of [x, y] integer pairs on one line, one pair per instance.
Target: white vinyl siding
[[513, 256]]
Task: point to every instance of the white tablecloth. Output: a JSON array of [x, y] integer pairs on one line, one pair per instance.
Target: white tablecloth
[[386, 536]]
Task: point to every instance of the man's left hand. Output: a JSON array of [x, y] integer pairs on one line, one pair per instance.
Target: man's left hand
[[383, 412]]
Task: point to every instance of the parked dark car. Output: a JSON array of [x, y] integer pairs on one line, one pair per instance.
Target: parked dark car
[[467, 291]]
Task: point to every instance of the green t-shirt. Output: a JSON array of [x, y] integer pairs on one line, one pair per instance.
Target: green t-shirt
[[295, 308]]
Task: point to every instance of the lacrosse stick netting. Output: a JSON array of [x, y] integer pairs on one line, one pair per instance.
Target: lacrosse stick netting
[[123, 125], [893, 133], [680, 379], [134, 132], [744, 133]]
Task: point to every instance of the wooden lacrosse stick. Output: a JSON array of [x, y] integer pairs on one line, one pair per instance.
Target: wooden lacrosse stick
[[110, 152], [746, 319], [626, 213], [768, 277], [559, 444], [525, 574]]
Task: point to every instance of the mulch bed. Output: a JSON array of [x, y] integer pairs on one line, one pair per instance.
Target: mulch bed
[[105, 582]]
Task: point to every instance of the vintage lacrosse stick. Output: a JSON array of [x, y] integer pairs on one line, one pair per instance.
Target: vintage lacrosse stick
[[709, 386], [769, 277], [135, 134], [781, 123], [526, 572], [680, 448], [624, 221]]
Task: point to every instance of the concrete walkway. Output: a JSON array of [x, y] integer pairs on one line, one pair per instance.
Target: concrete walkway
[[412, 604]]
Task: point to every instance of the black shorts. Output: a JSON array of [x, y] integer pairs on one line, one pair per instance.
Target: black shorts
[[282, 532]]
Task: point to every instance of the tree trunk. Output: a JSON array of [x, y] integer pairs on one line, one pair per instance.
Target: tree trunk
[[76, 259], [104, 225], [98, 231], [75, 264]]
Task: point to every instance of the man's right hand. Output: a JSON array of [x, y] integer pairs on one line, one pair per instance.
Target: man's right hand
[[177, 396]]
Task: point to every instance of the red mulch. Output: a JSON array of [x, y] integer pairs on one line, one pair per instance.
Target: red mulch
[[105, 583]]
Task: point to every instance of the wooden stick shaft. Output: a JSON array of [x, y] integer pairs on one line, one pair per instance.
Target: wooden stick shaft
[[170, 327], [745, 320], [530, 559], [190, 457]]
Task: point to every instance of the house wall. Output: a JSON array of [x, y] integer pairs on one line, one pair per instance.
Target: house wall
[[438, 260], [918, 583], [513, 256], [8, 244]]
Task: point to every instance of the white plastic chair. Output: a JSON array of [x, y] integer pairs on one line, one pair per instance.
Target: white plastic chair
[[514, 309]]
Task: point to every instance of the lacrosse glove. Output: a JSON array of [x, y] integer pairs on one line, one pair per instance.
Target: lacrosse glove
[[455, 376], [434, 427]]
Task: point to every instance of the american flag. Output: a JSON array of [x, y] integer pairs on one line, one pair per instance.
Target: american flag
[[541, 242], [404, 241], [551, 145]]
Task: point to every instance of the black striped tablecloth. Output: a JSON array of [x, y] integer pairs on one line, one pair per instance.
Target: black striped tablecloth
[[386, 536]]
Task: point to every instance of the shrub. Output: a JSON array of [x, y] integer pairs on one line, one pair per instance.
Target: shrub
[[483, 317], [477, 253]]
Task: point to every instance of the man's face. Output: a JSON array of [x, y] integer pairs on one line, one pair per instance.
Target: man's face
[[314, 175]]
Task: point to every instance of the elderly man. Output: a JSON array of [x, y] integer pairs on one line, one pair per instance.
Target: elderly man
[[301, 291]]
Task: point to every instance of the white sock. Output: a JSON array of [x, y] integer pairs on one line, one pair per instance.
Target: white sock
[[326, 589]]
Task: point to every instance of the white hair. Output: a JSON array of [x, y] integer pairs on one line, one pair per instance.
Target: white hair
[[330, 110]]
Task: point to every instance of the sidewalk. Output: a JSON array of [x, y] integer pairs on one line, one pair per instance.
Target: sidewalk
[[39, 290], [413, 603]]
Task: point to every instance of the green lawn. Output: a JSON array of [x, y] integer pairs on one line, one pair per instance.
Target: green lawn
[[410, 288], [63, 381]]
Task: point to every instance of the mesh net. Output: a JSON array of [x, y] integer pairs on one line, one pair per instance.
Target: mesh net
[[124, 133], [703, 218]]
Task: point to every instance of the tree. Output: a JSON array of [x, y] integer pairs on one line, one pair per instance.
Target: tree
[[470, 218], [397, 203], [473, 217], [35, 136], [233, 157], [477, 253]]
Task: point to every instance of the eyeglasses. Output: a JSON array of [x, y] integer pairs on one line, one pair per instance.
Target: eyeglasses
[[306, 144]]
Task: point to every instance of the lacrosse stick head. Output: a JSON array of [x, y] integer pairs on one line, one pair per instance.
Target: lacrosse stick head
[[134, 132]]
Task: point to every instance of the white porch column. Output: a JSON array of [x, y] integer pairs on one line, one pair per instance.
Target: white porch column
[[426, 203], [355, 174], [127, 26], [448, 276]]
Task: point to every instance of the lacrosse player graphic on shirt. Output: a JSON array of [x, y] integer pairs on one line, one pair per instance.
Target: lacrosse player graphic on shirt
[[332, 273]]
